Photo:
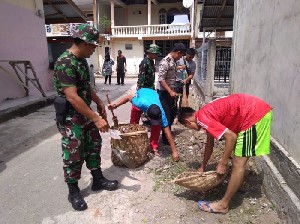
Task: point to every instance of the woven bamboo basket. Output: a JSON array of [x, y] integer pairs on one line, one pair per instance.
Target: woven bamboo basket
[[199, 181], [134, 142]]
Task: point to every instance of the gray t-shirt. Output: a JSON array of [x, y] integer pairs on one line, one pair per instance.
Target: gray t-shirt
[[191, 68]]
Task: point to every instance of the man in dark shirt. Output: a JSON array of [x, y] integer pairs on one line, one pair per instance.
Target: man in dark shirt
[[121, 68]]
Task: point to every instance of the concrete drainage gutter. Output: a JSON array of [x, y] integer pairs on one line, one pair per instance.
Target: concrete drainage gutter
[[281, 185]]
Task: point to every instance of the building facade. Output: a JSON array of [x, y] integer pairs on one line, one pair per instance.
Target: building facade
[[135, 26], [28, 45]]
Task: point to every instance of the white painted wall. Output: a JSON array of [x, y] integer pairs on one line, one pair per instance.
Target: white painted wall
[[23, 37], [133, 57], [267, 64]]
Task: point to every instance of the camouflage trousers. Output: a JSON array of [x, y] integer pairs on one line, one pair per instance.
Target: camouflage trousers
[[81, 141]]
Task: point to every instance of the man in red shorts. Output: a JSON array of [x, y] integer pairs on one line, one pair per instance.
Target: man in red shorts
[[146, 100], [245, 123]]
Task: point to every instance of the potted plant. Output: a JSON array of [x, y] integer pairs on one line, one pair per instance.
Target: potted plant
[[105, 23]]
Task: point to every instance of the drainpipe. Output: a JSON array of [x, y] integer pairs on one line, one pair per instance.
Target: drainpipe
[[192, 42], [202, 53], [112, 18], [194, 23], [96, 24], [210, 71], [112, 15], [96, 13], [149, 15]]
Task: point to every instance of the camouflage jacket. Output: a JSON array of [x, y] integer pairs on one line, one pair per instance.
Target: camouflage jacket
[[146, 76], [72, 71]]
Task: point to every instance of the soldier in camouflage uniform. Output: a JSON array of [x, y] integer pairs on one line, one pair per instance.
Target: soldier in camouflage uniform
[[80, 127], [166, 83], [146, 76]]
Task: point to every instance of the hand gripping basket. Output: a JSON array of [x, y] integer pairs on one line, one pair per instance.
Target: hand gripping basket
[[199, 181], [134, 142]]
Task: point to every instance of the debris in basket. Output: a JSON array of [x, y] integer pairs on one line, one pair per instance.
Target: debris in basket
[[128, 128], [132, 149]]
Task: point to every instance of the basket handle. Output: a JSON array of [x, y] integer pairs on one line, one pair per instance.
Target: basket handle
[[134, 133]]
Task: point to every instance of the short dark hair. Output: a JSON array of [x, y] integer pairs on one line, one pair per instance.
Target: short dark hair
[[154, 113], [120, 51], [191, 51], [78, 41], [184, 113], [179, 47]]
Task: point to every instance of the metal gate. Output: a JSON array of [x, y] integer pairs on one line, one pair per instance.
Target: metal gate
[[222, 67]]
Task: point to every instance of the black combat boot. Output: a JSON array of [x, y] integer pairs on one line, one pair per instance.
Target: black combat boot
[[100, 182], [75, 197]]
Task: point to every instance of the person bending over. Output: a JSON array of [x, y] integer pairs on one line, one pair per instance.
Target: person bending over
[[245, 123], [147, 101]]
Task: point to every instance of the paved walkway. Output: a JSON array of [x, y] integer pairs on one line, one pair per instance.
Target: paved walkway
[[32, 186], [32, 118], [23, 106], [33, 190], [20, 107]]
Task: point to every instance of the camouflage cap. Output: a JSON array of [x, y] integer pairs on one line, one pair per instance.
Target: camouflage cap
[[87, 33], [154, 49]]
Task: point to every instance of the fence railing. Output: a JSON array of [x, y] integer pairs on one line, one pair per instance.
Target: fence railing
[[126, 31], [213, 68], [152, 30], [202, 64]]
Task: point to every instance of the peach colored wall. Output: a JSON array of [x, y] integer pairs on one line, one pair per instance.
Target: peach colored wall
[[22, 37], [137, 19], [134, 18], [26, 4], [155, 10], [131, 13]]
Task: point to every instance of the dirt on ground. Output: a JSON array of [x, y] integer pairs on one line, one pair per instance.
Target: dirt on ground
[[147, 194], [249, 205]]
